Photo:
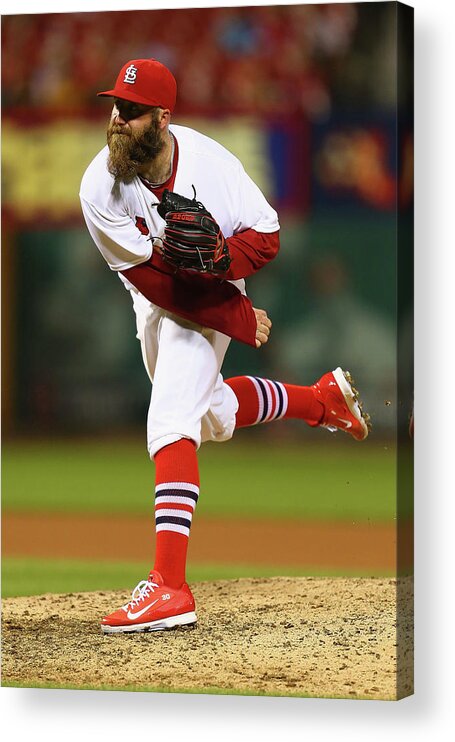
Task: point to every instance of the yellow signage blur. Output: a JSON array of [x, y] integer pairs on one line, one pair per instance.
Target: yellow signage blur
[[42, 165]]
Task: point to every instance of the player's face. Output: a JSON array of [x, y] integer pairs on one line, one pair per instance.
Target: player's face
[[129, 114], [134, 137]]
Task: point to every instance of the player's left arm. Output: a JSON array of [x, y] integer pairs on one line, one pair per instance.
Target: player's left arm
[[250, 251], [256, 238]]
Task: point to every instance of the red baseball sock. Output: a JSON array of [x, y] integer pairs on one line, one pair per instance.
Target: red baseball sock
[[262, 400], [176, 495]]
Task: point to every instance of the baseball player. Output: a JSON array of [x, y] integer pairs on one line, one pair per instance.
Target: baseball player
[[177, 217]]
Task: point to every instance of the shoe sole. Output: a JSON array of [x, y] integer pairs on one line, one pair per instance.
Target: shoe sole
[[162, 624], [351, 396]]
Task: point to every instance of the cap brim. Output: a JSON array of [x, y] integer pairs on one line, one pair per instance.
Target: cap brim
[[126, 95], [107, 92]]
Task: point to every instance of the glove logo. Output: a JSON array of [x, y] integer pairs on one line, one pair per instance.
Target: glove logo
[[184, 217], [130, 74]]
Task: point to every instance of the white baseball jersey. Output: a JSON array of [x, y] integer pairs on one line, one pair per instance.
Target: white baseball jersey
[[183, 360], [222, 185]]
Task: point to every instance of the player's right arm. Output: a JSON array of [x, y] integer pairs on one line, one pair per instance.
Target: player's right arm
[[208, 301]]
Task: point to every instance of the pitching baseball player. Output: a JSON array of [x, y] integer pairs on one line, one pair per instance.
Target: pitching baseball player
[[177, 217]]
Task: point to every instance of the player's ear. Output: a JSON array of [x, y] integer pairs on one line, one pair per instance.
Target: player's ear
[[163, 117]]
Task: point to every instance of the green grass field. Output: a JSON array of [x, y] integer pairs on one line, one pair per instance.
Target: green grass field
[[333, 480], [161, 689], [21, 576]]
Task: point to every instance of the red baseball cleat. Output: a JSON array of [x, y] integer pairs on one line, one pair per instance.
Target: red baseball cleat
[[153, 607], [343, 410]]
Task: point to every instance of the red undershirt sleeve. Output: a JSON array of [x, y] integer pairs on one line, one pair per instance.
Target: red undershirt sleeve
[[207, 300], [250, 250]]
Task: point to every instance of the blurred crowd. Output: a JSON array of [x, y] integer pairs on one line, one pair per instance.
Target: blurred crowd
[[239, 60]]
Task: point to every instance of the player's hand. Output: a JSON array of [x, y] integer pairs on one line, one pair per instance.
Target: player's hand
[[263, 326], [157, 245]]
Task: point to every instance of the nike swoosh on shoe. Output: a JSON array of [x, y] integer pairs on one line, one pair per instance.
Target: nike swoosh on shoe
[[347, 422], [142, 611]]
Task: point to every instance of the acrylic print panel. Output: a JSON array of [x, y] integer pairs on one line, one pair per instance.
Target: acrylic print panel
[[299, 553]]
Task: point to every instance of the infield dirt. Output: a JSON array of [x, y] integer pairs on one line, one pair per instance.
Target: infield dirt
[[326, 637]]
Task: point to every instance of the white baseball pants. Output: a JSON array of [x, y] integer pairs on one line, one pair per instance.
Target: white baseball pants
[[183, 360]]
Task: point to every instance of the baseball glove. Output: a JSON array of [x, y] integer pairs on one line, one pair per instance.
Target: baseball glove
[[192, 238]]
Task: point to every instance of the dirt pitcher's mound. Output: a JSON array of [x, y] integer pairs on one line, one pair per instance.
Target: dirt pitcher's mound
[[305, 636]]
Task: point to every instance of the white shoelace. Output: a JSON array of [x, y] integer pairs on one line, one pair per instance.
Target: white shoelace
[[140, 592]]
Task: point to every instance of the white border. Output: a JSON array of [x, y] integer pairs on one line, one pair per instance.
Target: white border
[[72, 715]]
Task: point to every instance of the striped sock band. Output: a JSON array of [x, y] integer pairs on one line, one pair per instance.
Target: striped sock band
[[174, 506], [272, 399], [263, 400]]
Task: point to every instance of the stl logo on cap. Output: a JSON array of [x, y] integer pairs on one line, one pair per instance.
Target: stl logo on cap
[[130, 74], [147, 82]]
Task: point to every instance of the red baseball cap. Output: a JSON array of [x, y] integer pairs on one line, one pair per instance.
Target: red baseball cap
[[145, 81]]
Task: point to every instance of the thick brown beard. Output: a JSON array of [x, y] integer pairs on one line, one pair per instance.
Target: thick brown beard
[[129, 151]]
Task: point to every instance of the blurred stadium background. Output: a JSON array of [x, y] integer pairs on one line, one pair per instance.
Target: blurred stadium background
[[306, 96]]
